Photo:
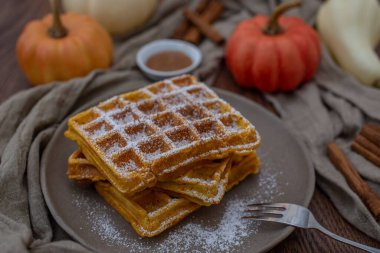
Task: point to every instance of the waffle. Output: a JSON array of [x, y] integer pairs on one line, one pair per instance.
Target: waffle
[[205, 184], [154, 210], [150, 211], [81, 170], [149, 135], [241, 167]]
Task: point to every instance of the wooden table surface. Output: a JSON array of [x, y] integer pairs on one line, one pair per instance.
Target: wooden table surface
[[14, 15]]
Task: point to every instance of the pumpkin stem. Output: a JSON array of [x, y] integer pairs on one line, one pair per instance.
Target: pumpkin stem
[[57, 30], [273, 27]]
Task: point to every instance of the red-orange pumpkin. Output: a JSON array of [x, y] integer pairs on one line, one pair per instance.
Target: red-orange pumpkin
[[273, 54]]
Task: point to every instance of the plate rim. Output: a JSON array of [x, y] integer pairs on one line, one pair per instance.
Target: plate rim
[[289, 229], [283, 235]]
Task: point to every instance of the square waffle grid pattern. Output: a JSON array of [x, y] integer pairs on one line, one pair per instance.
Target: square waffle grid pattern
[[168, 119]]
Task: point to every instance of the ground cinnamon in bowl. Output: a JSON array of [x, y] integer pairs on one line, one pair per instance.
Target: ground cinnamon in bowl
[[169, 61], [167, 58]]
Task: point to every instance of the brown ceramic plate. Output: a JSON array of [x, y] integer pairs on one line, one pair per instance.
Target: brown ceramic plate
[[286, 176]]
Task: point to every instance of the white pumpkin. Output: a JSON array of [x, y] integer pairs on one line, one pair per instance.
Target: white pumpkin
[[117, 16], [351, 30]]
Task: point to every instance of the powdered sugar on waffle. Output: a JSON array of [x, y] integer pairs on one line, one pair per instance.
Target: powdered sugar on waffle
[[197, 233], [192, 104]]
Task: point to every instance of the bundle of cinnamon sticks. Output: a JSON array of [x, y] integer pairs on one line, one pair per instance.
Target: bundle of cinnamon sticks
[[198, 22], [367, 143]]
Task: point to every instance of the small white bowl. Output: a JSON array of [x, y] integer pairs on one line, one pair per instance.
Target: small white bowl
[[167, 45]]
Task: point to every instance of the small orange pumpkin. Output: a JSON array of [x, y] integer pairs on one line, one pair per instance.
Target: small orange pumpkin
[[62, 47]]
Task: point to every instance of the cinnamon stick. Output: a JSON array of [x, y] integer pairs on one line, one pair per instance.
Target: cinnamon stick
[[367, 149], [203, 26], [357, 184], [212, 13], [374, 127], [185, 25], [369, 131]]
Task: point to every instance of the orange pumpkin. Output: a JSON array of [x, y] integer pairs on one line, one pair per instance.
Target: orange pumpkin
[[62, 47], [273, 53]]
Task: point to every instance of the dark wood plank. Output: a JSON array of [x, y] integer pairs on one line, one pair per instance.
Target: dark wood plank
[[15, 14]]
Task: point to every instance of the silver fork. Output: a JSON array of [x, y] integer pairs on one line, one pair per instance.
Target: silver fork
[[296, 216]]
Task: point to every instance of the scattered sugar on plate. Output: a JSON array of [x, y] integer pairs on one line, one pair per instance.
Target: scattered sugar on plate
[[197, 232]]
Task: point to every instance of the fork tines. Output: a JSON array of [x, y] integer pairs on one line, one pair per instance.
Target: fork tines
[[276, 206], [265, 211]]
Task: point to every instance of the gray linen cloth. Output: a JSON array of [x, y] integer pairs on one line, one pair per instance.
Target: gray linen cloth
[[332, 107]]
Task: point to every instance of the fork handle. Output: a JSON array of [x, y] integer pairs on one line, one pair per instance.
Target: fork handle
[[342, 239]]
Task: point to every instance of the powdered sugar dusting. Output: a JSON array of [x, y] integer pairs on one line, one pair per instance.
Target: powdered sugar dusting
[[144, 118], [211, 229], [223, 237], [114, 148]]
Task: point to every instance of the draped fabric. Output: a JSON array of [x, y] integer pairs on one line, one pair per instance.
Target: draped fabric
[[331, 107]]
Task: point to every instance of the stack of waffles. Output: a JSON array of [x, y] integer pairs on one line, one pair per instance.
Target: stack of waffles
[[161, 152]]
